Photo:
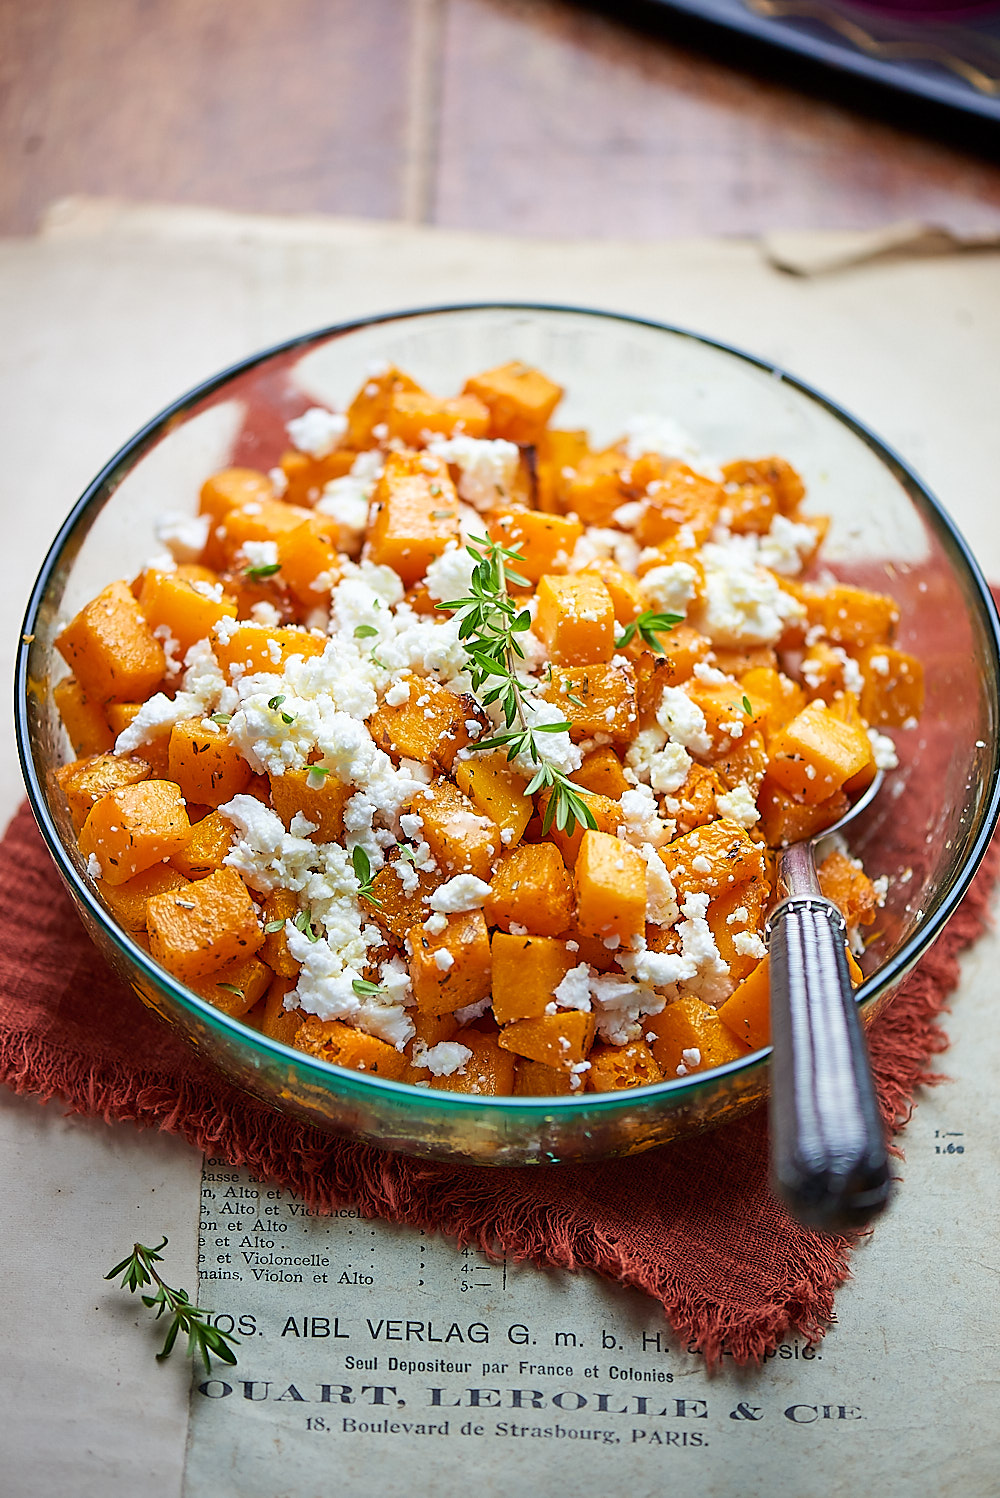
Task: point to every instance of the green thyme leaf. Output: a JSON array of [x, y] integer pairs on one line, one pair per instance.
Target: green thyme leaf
[[273, 926], [649, 626], [266, 569], [365, 632], [366, 990], [222, 719], [231, 988]]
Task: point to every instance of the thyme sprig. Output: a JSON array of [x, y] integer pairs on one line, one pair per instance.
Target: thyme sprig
[[489, 625], [649, 626], [362, 866], [204, 1340]]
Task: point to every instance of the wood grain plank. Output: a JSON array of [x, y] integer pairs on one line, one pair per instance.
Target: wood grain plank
[[273, 105], [556, 121]]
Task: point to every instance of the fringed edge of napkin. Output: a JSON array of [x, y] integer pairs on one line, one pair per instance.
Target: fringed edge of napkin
[[902, 1040]]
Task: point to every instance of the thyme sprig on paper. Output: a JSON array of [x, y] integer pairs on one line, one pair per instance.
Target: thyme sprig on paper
[[204, 1340], [490, 623]]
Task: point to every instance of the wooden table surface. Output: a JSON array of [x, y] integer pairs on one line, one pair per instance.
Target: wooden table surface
[[526, 116]]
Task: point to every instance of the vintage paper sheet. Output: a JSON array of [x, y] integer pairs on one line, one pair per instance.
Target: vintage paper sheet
[[395, 1361]]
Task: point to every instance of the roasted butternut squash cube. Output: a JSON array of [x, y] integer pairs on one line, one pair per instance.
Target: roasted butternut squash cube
[[685, 648], [776, 473], [370, 407], [592, 489], [535, 1079], [83, 719], [309, 560], [131, 828], [429, 1030], [562, 1040], [488, 1072], [858, 618], [736, 921], [155, 750], [111, 650], [520, 400], [235, 988], [893, 693], [231, 489], [451, 970], [318, 797], [397, 906], [204, 927], [415, 418], [259, 520], [713, 859], [783, 698], [694, 804], [84, 781], [681, 498], [207, 767], [342, 1045], [850, 889], [744, 764], [615, 1067], [556, 455], [545, 542], [526, 972], [306, 477], [627, 597], [531, 888], [190, 612], [280, 905], [496, 789], [127, 902], [575, 619], [431, 726], [783, 820], [690, 1037], [747, 1012], [817, 753], [749, 508], [728, 710], [253, 648], [596, 699], [602, 773], [277, 1022], [210, 841], [610, 880], [607, 815], [414, 514], [460, 838]]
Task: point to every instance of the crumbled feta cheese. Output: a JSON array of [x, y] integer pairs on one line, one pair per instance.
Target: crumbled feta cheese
[[739, 805], [670, 588], [683, 721], [573, 992], [441, 1060], [94, 866], [184, 536], [743, 603], [749, 944], [650, 432], [786, 546], [259, 553], [883, 750], [450, 574], [443, 960], [317, 431], [661, 899], [463, 892], [643, 823], [487, 468]]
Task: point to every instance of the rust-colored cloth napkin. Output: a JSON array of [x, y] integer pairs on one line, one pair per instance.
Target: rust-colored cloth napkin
[[693, 1224]]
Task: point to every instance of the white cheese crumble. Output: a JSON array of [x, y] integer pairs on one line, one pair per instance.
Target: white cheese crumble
[[441, 1060], [649, 432], [739, 805], [683, 721], [487, 468], [464, 892], [317, 431], [573, 992], [883, 750], [184, 536], [743, 603], [670, 588]]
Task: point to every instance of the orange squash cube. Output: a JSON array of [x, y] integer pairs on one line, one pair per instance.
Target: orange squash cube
[[545, 542], [610, 880], [342, 1045], [893, 693], [111, 650], [817, 753], [171, 602], [602, 773], [690, 1035], [561, 1040], [593, 488], [132, 828], [489, 1071], [451, 970], [414, 514], [309, 560], [606, 813], [557, 454], [460, 838], [749, 508], [526, 972], [496, 789], [535, 1079], [83, 719], [235, 988], [280, 905], [127, 902], [596, 699], [414, 417], [736, 921], [531, 888], [232, 488], [253, 648], [84, 781], [319, 797], [694, 804], [726, 713], [681, 498], [627, 596], [520, 400], [206, 766], [575, 619], [430, 726], [615, 1067], [856, 617], [277, 1022], [849, 888], [783, 820], [210, 841], [370, 407], [746, 1014], [782, 697], [776, 473], [209, 924], [394, 907], [713, 859]]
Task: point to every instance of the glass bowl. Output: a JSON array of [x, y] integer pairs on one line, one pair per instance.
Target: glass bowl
[[927, 831]]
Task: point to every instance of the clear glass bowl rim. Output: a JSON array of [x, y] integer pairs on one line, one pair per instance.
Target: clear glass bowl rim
[[338, 1080]]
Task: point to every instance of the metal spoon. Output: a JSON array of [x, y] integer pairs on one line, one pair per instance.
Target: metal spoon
[[829, 1161]]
